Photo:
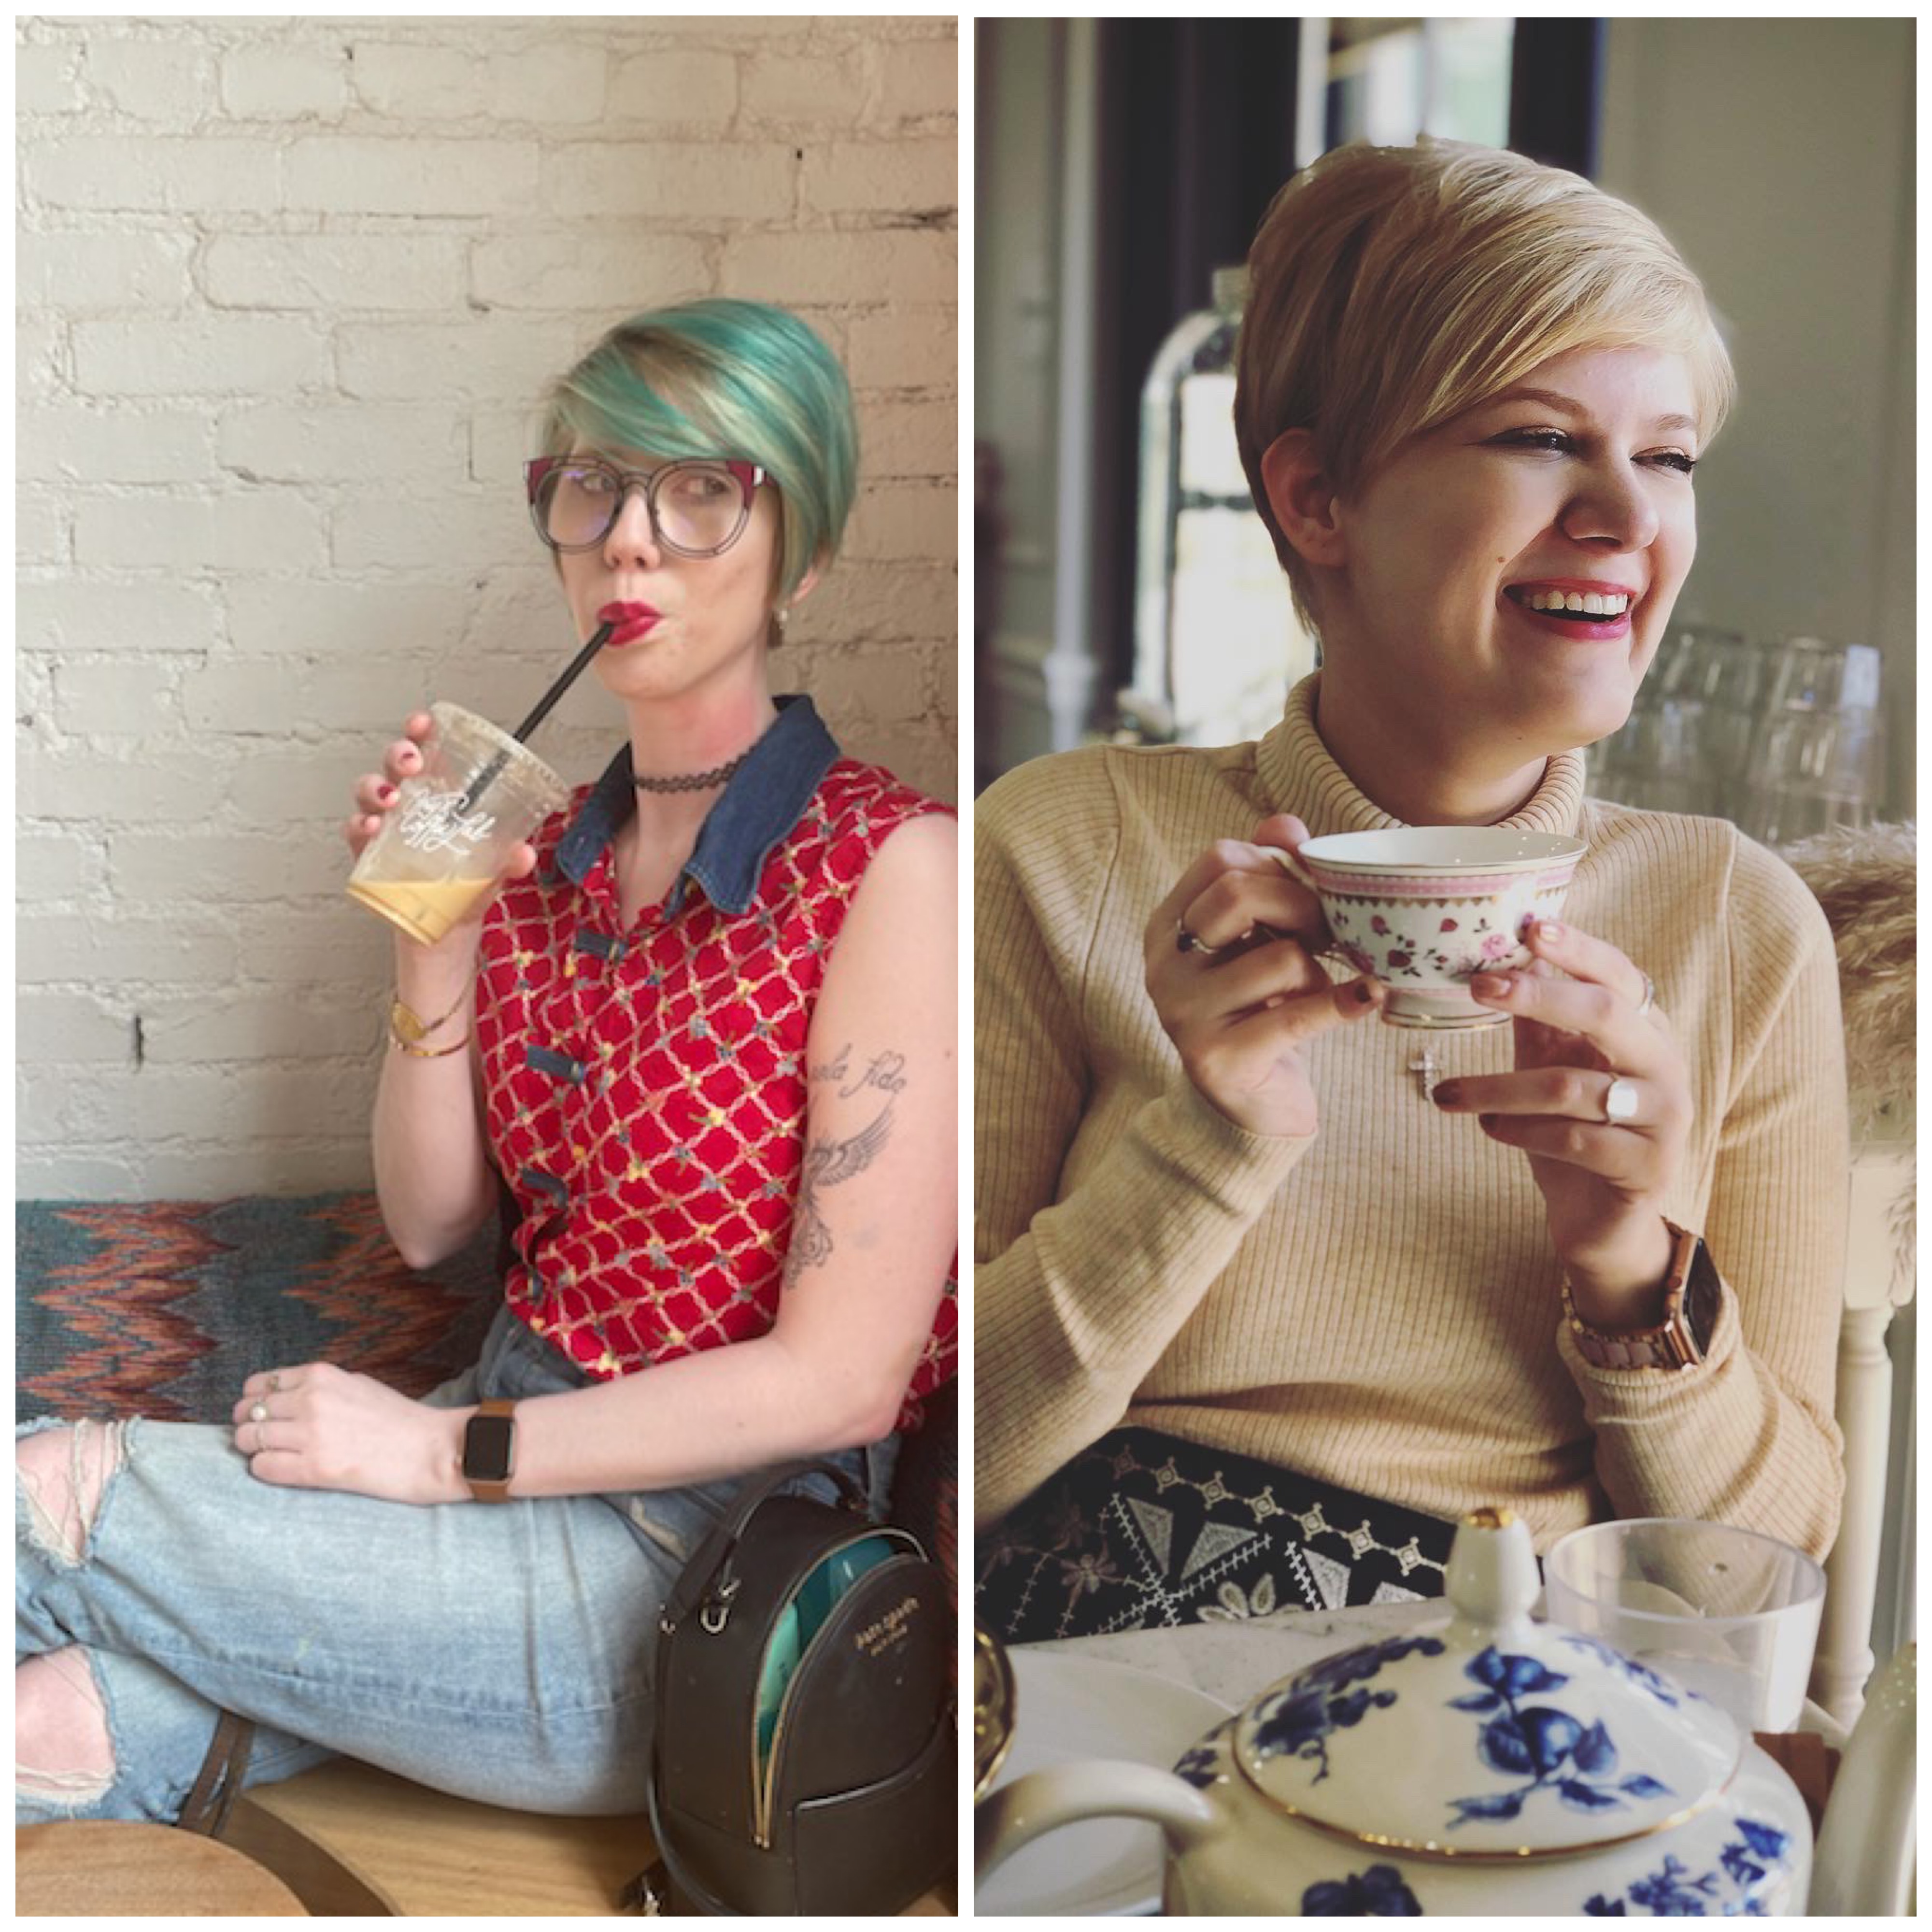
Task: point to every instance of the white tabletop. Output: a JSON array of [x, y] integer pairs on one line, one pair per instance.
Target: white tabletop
[[1232, 1659]]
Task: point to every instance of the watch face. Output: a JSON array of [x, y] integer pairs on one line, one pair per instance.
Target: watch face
[[1703, 1294], [486, 1448]]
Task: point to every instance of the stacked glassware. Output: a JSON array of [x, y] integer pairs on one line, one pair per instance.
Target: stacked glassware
[[1817, 758], [1685, 747], [1786, 738]]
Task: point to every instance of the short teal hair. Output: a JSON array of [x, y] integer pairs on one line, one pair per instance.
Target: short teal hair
[[731, 380]]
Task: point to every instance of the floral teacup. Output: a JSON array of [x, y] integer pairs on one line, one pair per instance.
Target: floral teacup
[[1423, 908]]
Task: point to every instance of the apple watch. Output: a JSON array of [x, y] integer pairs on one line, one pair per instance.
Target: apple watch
[[489, 1451], [1691, 1294]]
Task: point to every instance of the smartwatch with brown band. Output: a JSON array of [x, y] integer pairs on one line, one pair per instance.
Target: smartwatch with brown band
[[1691, 1294], [489, 1451]]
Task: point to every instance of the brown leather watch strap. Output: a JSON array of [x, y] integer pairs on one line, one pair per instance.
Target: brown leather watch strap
[[487, 1488]]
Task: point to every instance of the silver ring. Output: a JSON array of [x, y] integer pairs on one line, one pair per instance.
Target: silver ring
[[259, 1414], [1185, 941], [1620, 1099], [1649, 1000]]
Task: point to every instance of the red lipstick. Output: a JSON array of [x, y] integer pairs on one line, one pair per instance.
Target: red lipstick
[[632, 621]]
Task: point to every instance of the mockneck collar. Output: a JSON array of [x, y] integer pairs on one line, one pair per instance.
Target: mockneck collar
[[1299, 774]]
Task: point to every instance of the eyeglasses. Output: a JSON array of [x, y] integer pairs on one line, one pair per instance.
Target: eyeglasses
[[697, 509]]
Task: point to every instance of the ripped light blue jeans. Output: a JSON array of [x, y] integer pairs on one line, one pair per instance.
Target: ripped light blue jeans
[[502, 1654]]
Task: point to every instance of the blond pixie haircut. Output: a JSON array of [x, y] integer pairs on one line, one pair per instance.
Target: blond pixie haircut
[[1391, 289]]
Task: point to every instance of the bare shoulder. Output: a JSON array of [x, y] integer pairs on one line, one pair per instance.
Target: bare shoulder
[[924, 846], [916, 866], [905, 912]]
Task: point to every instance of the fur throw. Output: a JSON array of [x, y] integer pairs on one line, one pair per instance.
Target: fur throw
[[1866, 878]]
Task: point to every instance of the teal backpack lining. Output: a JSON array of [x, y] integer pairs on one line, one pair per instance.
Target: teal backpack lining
[[793, 1633]]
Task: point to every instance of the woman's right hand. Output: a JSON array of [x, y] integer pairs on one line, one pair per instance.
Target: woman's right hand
[[1241, 1003], [378, 793]]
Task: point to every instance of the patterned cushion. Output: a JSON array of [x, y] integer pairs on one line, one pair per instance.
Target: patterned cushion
[[161, 1308]]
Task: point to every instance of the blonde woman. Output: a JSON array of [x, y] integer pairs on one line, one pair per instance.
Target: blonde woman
[[1261, 1311]]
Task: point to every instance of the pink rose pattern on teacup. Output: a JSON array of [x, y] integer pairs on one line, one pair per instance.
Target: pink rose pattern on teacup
[[1424, 943], [1406, 950]]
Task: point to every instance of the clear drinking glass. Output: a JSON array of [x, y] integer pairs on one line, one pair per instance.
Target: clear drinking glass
[[1716, 682], [1685, 744], [1817, 758], [1813, 674], [1725, 1611]]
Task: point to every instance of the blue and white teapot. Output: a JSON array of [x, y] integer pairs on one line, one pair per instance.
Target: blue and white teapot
[[1483, 1765]]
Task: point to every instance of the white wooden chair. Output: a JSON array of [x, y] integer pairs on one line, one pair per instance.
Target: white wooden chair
[[1876, 1288], [1865, 878]]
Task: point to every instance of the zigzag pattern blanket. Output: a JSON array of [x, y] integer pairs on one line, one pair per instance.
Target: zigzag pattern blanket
[[161, 1308]]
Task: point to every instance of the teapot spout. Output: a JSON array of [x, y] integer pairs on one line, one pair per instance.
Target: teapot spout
[[1867, 1851], [1062, 1794]]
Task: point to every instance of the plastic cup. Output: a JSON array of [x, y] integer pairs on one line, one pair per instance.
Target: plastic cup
[[448, 840], [1722, 1611]]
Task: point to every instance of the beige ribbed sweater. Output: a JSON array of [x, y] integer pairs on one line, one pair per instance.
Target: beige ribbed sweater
[[1377, 1305]]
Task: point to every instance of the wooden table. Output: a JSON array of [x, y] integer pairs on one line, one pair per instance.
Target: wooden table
[[352, 1840], [93, 1868]]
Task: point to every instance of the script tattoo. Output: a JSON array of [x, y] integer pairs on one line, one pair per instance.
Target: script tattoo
[[885, 1072], [827, 1163]]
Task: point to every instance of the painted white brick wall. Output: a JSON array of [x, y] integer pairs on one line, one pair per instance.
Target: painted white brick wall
[[288, 290]]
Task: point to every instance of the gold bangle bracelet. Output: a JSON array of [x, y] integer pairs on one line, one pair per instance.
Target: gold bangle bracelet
[[427, 1052], [407, 1027]]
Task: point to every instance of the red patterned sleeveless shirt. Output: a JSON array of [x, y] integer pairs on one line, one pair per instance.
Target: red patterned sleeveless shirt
[[645, 1091]]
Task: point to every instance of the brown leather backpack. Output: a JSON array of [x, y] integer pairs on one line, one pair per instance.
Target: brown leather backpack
[[849, 1804]]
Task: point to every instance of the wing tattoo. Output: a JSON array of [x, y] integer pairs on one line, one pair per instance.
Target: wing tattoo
[[827, 1163]]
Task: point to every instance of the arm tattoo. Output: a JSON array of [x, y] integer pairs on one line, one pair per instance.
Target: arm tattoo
[[884, 1072], [833, 1069], [827, 1163]]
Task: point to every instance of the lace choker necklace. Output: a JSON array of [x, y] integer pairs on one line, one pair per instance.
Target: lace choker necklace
[[695, 780]]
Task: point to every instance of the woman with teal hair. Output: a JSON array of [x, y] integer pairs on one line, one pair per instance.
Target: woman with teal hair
[[701, 1042]]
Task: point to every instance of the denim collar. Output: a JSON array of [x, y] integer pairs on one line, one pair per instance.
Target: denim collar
[[764, 799]]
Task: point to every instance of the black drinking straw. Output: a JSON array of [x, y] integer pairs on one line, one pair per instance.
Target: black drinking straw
[[487, 777]]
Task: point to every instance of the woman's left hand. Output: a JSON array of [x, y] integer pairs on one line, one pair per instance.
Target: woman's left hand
[[319, 1427], [1604, 1181]]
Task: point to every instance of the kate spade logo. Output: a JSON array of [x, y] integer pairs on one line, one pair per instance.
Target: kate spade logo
[[889, 1632]]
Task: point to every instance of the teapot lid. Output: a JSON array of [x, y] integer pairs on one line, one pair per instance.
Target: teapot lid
[[1486, 1735]]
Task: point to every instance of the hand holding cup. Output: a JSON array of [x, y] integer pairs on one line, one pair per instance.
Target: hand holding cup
[[436, 905], [1232, 972], [1586, 1022]]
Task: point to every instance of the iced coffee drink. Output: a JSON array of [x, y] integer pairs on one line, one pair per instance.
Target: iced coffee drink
[[448, 841]]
